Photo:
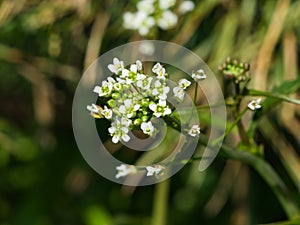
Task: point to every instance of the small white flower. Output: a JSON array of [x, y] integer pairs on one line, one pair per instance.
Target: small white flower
[[119, 129], [128, 108], [160, 90], [117, 66], [95, 111], [124, 170], [133, 68], [186, 6], [118, 134], [184, 83], [145, 22], [105, 89], [146, 6], [168, 20], [147, 128], [160, 109], [107, 113], [154, 170], [93, 108], [179, 92], [194, 131], [125, 73], [166, 4], [144, 83], [199, 75], [139, 65], [159, 70], [254, 104]]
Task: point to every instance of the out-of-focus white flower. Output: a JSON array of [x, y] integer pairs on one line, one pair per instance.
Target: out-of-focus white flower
[[144, 83], [160, 90], [186, 6], [139, 65], [194, 131], [168, 20], [254, 104], [117, 66], [184, 83], [119, 129], [146, 6], [146, 48], [154, 170], [93, 108], [166, 4], [199, 75], [129, 108], [145, 22], [147, 128], [124, 170], [95, 111], [107, 113], [179, 92]]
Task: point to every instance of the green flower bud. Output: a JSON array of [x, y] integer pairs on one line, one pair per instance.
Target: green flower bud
[[111, 103], [115, 95], [137, 122], [144, 118]]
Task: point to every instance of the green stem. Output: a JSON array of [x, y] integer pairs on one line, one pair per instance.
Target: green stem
[[228, 130], [196, 93], [252, 92], [160, 207]]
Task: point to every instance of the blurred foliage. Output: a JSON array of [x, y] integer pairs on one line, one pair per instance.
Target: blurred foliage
[[45, 45]]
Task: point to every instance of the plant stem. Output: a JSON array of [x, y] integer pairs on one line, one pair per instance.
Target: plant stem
[[160, 203], [196, 93], [252, 92], [238, 118]]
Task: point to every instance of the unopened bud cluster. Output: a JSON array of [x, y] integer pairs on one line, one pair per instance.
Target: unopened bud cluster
[[235, 70]]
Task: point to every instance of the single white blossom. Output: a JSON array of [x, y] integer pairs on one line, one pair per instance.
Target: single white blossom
[[160, 90], [124, 170], [168, 20], [166, 4], [160, 109], [105, 89], [93, 108], [179, 92], [254, 104], [117, 66], [159, 70], [147, 128], [186, 6], [199, 75], [106, 112], [139, 65], [194, 131], [184, 83], [154, 170], [146, 6], [119, 129]]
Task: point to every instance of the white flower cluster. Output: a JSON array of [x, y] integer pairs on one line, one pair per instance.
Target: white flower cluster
[[131, 98], [155, 13]]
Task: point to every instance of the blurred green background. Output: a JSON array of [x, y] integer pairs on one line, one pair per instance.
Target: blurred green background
[[45, 45]]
